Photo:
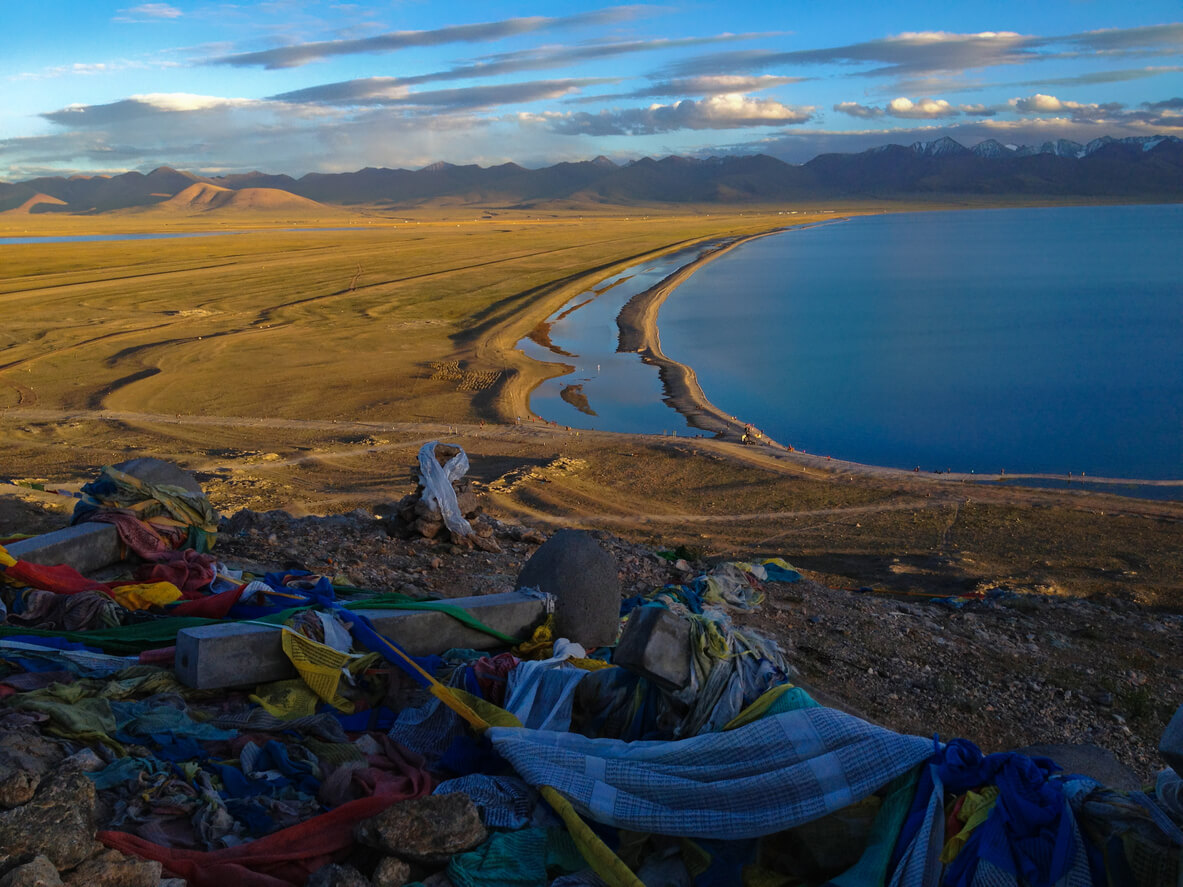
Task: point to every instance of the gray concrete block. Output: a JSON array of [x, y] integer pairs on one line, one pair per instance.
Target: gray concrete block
[[1171, 745], [85, 547], [582, 576], [655, 644], [237, 654]]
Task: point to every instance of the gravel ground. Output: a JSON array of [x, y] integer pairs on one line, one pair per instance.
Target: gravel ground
[[1006, 672]]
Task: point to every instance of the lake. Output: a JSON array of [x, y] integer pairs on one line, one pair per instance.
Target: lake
[[1031, 340]]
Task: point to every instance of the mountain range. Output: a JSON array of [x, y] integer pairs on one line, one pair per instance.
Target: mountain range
[[1140, 168]]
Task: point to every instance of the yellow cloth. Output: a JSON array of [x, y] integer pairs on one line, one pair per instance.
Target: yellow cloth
[[141, 597], [321, 667], [759, 708], [286, 700], [974, 810], [541, 644], [6, 559]]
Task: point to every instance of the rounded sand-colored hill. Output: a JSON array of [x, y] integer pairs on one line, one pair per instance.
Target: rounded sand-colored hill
[[36, 200], [203, 197]]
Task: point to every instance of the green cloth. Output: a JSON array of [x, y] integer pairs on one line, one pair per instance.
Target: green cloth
[[517, 859], [71, 716], [121, 640], [128, 640], [871, 869]]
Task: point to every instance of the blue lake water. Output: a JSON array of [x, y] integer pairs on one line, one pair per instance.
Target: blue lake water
[[1030, 340]]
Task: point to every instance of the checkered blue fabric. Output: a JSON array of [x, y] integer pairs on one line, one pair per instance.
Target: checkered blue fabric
[[776, 773], [504, 801]]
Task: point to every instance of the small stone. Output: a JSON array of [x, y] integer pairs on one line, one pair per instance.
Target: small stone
[[391, 872], [1103, 698], [17, 787], [428, 830], [334, 875]]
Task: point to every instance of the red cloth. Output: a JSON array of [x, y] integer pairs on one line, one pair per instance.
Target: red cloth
[[60, 578], [283, 859], [211, 606], [136, 534], [187, 570], [492, 675]]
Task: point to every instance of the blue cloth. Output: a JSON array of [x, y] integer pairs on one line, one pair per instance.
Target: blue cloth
[[780, 574], [776, 773], [50, 642], [1030, 834]]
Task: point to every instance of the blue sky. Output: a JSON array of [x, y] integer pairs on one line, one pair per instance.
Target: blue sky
[[299, 86]]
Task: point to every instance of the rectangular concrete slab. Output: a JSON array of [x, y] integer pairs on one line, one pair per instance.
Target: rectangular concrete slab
[[239, 654], [84, 547]]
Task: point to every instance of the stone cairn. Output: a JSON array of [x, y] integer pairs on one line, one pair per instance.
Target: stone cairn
[[414, 517]]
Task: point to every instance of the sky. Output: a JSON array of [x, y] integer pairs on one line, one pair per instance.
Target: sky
[[298, 86]]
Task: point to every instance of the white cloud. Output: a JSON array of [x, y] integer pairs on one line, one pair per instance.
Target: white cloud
[[147, 12], [854, 109], [921, 109], [1049, 104], [302, 53], [1039, 103], [728, 111]]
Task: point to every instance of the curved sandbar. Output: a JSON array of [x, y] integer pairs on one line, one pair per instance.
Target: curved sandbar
[[511, 398], [637, 321]]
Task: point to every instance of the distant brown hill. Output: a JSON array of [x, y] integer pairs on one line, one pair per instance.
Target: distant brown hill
[[204, 197], [32, 205], [1147, 169]]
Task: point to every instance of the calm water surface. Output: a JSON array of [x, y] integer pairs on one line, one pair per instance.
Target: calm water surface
[[1033, 340]]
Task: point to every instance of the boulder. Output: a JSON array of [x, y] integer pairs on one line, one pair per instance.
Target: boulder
[[58, 822], [157, 471], [582, 576], [112, 869], [655, 644], [25, 756], [37, 873], [427, 830]]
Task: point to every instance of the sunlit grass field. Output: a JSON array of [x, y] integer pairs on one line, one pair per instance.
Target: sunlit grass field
[[351, 323]]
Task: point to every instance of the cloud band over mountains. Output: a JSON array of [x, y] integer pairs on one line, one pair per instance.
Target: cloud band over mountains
[[620, 80]]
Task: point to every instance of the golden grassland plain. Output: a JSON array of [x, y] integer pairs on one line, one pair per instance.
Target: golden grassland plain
[[300, 363]]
